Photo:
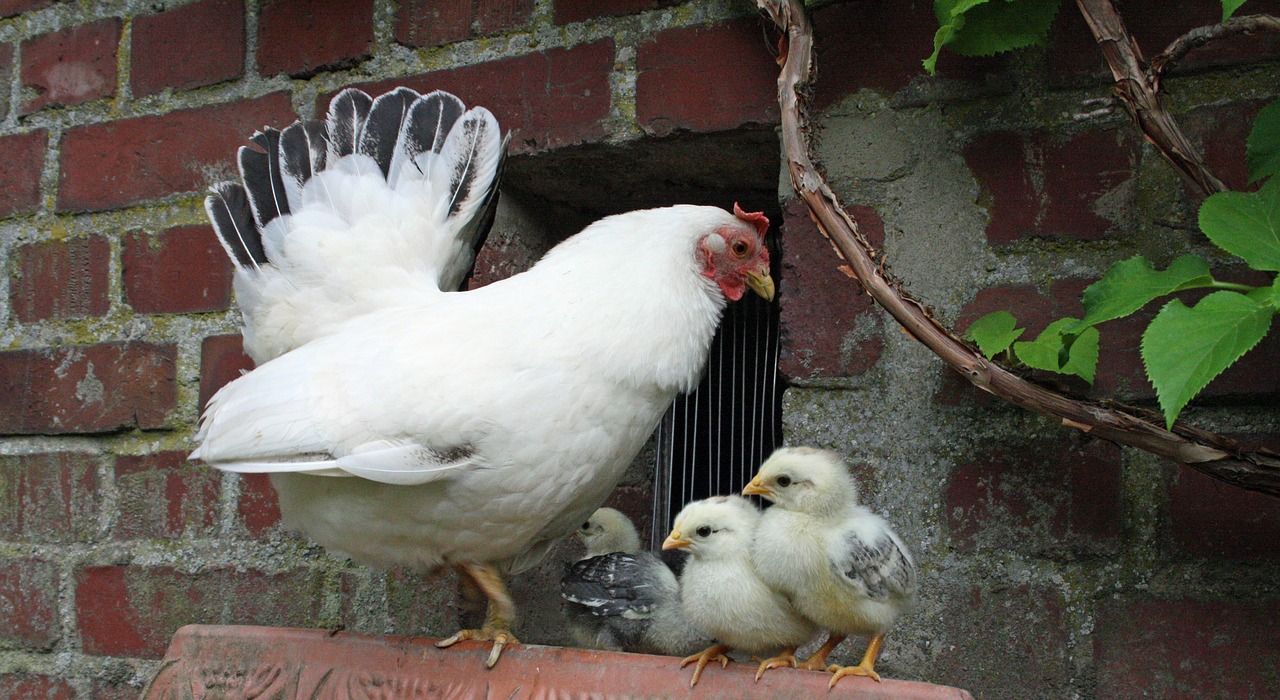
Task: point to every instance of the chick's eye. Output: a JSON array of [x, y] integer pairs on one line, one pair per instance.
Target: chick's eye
[[586, 526], [704, 531], [739, 248], [784, 481]]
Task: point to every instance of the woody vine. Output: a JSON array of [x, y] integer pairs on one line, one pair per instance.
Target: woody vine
[[1189, 345]]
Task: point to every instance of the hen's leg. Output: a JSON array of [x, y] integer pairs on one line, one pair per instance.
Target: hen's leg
[[818, 662], [499, 617], [866, 668], [715, 652]]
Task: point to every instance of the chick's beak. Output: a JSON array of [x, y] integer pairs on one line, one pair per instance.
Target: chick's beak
[[755, 488], [675, 540], [760, 282]]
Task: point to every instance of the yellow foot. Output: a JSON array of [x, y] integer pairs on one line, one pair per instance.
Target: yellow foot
[[500, 639], [712, 653], [859, 670], [812, 664], [786, 659]]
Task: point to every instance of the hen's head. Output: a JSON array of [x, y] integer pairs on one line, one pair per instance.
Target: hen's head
[[735, 256]]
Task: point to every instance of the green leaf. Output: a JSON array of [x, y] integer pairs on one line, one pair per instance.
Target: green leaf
[[1262, 148], [1269, 296], [1246, 224], [987, 27], [1058, 350], [1185, 348], [1229, 8], [994, 333], [1003, 25], [1130, 284]]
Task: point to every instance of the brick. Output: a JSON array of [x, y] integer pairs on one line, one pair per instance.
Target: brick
[[569, 11], [208, 35], [10, 8], [61, 279], [179, 270], [134, 610], [1074, 58], [1188, 649], [50, 498], [893, 37], [163, 496], [1053, 186], [822, 342], [71, 66], [112, 165], [1220, 132], [21, 163], [29, 687], [259, 507], [422, 23], [706, 79], [564, 96], [1010, 639], [28, 605], [1038, 497], [222, 359], [1208, 518], [304, 37], [87, 389]]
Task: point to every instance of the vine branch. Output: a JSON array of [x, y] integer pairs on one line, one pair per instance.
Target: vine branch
[[1138, 89], [1215, 455], [1194, 39]]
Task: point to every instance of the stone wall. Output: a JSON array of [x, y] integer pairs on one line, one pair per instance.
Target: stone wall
[[1053, 565]]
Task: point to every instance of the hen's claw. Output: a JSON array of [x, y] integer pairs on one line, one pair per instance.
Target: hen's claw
[[714, 652], [500, 639]]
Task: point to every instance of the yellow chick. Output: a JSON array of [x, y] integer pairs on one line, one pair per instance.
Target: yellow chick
[[720, 591], [841, 565]]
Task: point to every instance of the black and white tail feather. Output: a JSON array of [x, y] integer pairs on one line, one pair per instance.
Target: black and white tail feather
[[385, 199]]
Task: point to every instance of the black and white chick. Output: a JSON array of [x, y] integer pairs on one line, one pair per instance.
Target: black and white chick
[[842, 566], [721, 592], [622, 599]]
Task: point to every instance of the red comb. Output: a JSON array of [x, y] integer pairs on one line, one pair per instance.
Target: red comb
[[757, 219]]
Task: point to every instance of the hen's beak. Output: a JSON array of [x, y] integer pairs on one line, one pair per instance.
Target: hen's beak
[[755, 488], [760, 282], [675, 540]]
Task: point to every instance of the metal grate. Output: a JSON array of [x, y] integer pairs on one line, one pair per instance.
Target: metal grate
[[711, 441]]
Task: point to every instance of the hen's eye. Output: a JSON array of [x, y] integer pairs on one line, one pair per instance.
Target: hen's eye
[[739, 248], [704, 531], [784, 481]]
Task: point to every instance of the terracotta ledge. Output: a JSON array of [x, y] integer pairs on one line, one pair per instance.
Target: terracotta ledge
[[208, 661]]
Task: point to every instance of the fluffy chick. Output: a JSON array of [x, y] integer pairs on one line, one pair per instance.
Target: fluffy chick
[[721, 592], [622, 599], [608, 530], [840, 564]]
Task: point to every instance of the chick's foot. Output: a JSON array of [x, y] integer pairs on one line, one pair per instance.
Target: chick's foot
[[712, 653], [786, 659]]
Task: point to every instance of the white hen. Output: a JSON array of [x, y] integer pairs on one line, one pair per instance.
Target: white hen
[[469, 429], [841, 565], [722, 594]]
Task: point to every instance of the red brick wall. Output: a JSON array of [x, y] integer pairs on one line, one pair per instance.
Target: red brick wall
[[119, 323]]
